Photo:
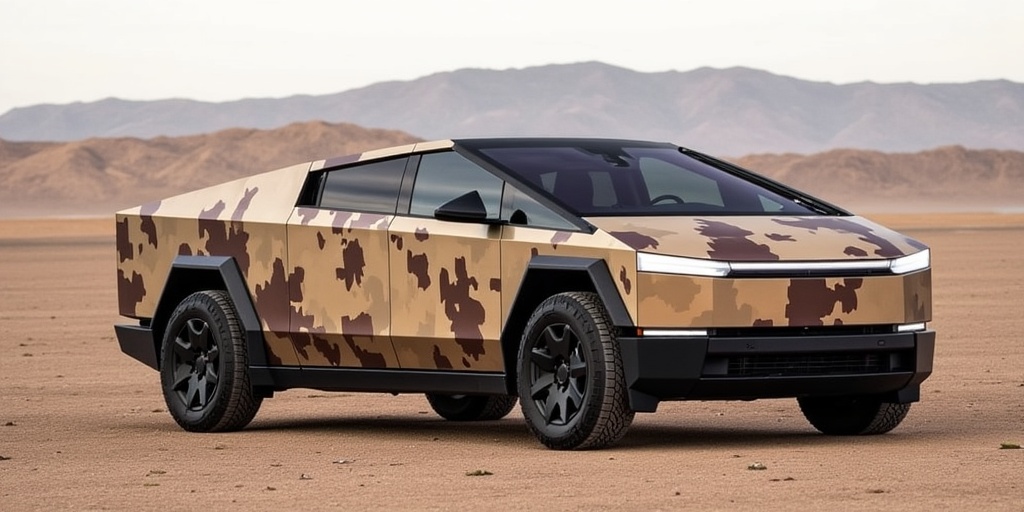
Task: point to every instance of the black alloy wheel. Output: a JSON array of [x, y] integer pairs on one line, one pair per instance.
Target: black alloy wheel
[[195, 358], [204, 369], [571, 384], [558, 374]]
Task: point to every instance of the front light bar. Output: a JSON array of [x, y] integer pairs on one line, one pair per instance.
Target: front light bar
[[647, 262]]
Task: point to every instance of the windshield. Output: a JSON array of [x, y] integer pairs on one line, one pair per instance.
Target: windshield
[[613, 180]]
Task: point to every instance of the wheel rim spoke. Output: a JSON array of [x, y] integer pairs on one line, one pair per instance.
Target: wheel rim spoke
[[198, 333], [193, 391], [549, 406], [202, 392], [558, 374], [542, 360], [542, 384], [558, 344], [575, 394], [183, 350], [577, 367], [211, 377]]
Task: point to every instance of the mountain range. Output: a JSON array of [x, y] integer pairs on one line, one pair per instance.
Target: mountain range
[[735, 111], [100, 175]]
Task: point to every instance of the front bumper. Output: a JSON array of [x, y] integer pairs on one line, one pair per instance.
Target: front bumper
[[746, 368]]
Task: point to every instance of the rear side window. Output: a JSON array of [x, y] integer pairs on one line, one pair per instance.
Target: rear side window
[[371, 187]]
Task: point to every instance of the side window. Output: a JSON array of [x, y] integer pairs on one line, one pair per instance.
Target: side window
[[528, 212], [444, 176], [664, 179], [371, 187]]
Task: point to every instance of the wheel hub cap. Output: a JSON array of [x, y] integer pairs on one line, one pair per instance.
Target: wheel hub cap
[[201, 366], [562, 374]]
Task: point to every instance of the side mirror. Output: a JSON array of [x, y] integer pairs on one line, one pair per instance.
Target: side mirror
[[468, 207]]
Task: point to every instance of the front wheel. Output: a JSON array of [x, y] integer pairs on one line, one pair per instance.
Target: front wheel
[[471, 407], [852, 415], [204, 368], [572, 389]]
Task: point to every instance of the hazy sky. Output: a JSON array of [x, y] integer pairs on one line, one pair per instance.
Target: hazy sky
[[61, 51]]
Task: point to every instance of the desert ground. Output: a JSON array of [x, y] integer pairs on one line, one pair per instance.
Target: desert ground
[[84, 427]]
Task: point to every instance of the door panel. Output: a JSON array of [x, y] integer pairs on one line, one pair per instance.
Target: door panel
[[446, 294], [338, 287]]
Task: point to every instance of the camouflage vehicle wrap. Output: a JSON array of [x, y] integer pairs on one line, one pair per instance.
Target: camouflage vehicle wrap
[[800, 300]]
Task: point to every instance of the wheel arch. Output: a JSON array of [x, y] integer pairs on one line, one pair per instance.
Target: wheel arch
[[546, 276], [190, 274]]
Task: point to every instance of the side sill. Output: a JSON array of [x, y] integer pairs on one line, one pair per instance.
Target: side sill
[[387, 381]]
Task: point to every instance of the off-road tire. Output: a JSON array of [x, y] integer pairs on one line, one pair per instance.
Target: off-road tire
[[204, 366], [852, 415], [572, 389], [471, 407]]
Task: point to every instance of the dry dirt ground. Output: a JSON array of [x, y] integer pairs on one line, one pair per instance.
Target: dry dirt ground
[[84, 427]]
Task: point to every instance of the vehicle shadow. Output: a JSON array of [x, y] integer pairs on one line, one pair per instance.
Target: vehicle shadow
[[512, 431]]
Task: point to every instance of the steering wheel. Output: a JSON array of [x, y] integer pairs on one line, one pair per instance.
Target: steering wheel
[[667, 197]]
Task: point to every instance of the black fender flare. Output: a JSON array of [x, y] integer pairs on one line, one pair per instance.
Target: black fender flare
[[190, 274], [546, 276]]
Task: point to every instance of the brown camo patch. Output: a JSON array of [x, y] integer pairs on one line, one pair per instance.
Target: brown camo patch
[[465, 312], [886, 249], [124, 243], [130, 292], [729, 242], [638, 241], [560, 237], [361, 325], [627, 285], [811, 300], [419, 266], [440, 360], [353, 264], [855, 251]]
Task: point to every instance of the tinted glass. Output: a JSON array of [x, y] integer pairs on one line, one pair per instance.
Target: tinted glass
[[615, 180], [369, 187], [528, 212], [445, 176]]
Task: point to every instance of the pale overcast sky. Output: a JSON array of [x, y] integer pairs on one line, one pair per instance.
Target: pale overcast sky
[[61, 51]]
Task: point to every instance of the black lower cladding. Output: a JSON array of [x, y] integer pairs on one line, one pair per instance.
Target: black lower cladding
[[743, 368], [137, 341], [389, 381]]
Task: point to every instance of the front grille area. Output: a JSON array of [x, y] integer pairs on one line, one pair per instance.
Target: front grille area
[[796, 365]]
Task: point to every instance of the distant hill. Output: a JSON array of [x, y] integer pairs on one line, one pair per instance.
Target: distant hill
[[99, 176], [734, 111]]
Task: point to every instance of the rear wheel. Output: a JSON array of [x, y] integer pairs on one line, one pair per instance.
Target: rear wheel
[[471, 407], [204, 367], [852, 415], [572, 388]]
